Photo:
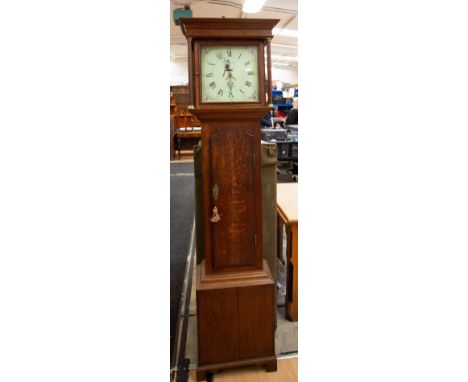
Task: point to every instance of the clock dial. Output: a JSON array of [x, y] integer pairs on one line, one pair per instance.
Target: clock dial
[[229, 74]]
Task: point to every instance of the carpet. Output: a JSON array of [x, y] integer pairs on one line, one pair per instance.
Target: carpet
[[182, 205]]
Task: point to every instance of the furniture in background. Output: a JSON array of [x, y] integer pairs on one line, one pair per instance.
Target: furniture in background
[[187, 128], [173, 104], [288, 218], [172, 137], [192, 135], [288, 155], [287, 143]]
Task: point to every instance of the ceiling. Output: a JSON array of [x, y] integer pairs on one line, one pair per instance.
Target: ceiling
[[283, 45]]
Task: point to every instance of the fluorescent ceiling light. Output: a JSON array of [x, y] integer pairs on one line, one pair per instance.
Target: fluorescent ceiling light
[[284, 45], [285, 32], [253, 6], [286, 58]]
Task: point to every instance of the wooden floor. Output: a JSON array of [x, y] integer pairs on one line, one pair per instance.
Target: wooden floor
[[287, 372]]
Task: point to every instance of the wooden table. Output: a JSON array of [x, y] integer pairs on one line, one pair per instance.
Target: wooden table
[[187, 134], [287, 215]]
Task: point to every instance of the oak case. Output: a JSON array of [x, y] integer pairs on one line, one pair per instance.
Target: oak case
[[235, 291]]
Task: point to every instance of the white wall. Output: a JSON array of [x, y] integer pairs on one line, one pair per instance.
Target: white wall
[[179, 73], [286, 74]]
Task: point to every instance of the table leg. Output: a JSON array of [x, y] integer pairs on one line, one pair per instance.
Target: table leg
[[279, 239], [292, 273], [179, 140]]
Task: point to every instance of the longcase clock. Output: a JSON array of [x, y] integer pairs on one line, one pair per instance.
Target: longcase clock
[[230, 89]]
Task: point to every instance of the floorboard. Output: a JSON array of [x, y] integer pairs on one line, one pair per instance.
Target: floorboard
[[287, 372]]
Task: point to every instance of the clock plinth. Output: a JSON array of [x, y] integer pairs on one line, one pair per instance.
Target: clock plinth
[[236, 319], [230, 84]]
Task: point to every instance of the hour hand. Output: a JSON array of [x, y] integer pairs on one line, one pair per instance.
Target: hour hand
[[230, 76], [227, 69]]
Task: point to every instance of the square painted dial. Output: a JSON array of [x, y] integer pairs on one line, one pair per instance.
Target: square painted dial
[[229, 74]]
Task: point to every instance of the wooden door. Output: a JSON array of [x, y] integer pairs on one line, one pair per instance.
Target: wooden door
[[236, 175]]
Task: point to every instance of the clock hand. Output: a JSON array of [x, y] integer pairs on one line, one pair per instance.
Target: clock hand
[[227, 68], [230, 76]]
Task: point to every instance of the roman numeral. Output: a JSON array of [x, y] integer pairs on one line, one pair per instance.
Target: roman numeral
[[220, 92], [212, 85], [209, 75], [219, 55], [247, 63], [250, 73], [229, 53], [239, 56], [209, 63], [241, 91], [247, 83], [230, 94]]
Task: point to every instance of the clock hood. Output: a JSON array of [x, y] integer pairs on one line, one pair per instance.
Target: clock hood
[[227, 27]]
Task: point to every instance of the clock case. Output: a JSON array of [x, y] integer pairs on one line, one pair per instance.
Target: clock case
[[236, 309]]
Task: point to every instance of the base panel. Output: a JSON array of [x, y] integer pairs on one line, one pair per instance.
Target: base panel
[[269, 363]]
